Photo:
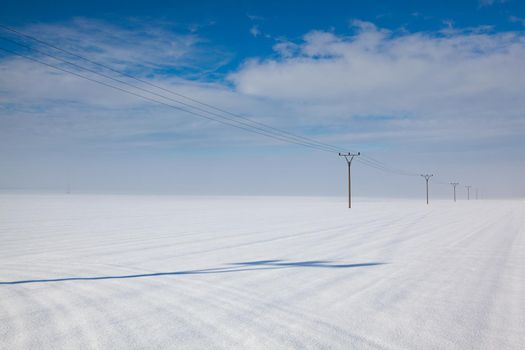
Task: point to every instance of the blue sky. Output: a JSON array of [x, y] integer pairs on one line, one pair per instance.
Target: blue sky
[[428, 86], [228, 23]]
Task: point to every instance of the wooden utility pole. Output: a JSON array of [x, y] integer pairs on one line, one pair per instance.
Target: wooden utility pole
[[349, 157], [468, 192], [427, 177], [454, 184]]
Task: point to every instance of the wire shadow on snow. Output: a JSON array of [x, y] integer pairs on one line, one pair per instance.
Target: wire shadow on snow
[[237, 267]]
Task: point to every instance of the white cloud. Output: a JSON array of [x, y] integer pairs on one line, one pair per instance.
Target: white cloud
[[471, 79], [255, 17], [372, 85], [485, 3], [134, 46], [254, 30], [443, 93], [38, 101], [515, 19], [285, 48]]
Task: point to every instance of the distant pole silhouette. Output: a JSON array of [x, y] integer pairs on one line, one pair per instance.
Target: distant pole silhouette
[[468, 192], [427, 177], [349, 157], [454, 184], [476, 193]]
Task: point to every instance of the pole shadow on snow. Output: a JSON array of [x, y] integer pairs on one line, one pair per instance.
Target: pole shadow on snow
[[235, 267], [312, 263]]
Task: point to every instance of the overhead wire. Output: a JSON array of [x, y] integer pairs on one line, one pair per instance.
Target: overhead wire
[[383, 168], [238, 121], [282, 138], [283, 132], [157, 101]]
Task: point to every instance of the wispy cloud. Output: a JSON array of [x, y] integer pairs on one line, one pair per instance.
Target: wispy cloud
[[470, 77], [254, 30], [485, 3], [454, 85], [138, 46], [253, 17], [370, 88], [515, 19], [37, 100]]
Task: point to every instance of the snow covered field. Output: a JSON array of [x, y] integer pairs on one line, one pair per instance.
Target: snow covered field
[[165, 272]]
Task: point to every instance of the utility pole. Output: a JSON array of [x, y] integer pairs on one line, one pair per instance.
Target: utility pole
[[349, 157], [476, 193], [427, 177], [454, 184], [468, 192]]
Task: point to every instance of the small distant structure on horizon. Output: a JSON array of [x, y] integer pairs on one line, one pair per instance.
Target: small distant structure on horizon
[[454, 184], [468, 191]]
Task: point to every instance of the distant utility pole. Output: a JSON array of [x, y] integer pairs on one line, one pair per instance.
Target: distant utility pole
[[349, 157], [454, 184], [468, 192], [476, 193], [427, 177]]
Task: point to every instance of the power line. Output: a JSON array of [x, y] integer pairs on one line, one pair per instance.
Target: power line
[[231, 122], [238, 121], [298, 141], [163, 103], [385, 168], [283, 133], [246, 127]]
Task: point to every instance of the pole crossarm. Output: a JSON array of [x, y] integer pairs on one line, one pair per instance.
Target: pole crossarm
[[349, 156], [427, 176]]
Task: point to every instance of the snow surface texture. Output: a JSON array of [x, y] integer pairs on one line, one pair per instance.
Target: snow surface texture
[[161, 272]]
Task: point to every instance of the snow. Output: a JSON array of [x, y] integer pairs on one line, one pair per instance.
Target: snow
[[158, 272]]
